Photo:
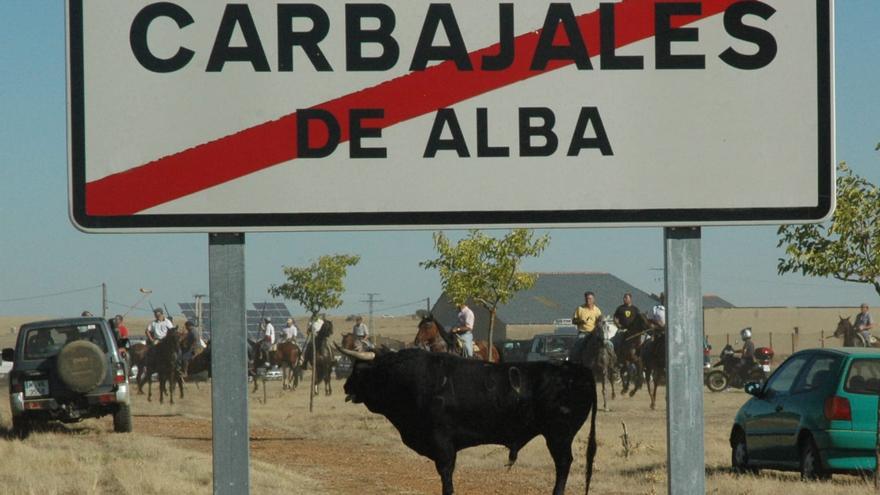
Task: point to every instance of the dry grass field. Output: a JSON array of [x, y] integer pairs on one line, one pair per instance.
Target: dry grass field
[[341, 448]]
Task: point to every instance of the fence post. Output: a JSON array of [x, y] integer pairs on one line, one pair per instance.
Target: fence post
[[728, 339], [823, 339]]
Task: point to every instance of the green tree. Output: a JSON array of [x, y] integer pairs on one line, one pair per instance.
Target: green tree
[[317, 287], [485, 269], [847, 247]]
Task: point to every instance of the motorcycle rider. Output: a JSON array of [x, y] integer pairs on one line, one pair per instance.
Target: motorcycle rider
[[747, 352]]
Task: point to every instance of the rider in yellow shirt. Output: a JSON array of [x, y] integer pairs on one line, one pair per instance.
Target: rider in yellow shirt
[[587, 315]]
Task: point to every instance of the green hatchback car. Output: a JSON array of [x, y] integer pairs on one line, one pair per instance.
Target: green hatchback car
[[817, 414]]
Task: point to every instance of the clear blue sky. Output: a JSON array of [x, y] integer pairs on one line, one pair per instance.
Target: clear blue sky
[[41, 253]]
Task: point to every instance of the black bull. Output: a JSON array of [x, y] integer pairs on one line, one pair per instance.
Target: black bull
[[441, 404]]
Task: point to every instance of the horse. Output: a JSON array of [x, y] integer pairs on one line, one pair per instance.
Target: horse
[[137, 355], [322, 367], [163, 359], [596, 352], [202, 361], [628, 345], [431, 336], [286, 355], [851, 337], [653, 356]]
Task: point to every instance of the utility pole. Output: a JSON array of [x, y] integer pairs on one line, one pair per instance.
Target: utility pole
[[199, 328], [371, 299], [428, 304], [103, 300]]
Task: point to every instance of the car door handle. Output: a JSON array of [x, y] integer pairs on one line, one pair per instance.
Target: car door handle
[[778, 408]]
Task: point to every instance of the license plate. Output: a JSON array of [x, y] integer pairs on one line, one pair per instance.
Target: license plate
[[765, 367], [36, 388]]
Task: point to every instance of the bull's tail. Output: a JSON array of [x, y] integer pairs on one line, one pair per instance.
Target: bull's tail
[[591, 443]]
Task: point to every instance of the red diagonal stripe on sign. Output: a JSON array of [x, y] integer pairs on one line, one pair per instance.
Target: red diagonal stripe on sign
[[403, 98]]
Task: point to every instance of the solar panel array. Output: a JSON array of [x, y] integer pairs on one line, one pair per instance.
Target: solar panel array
[[278, 312]]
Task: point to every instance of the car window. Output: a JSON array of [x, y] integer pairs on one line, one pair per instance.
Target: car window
[[783, 379], [41, 343], [863, 377], [822, 372]]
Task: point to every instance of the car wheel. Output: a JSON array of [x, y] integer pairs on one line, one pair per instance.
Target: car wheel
[[21, 426], [716, 381], [811, 464], [739, 455], [122, 419]]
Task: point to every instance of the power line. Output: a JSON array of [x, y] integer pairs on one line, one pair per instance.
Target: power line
[[52, 294]]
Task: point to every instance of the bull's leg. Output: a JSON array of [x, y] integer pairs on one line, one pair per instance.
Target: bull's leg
[[445, 468], [559, 446]]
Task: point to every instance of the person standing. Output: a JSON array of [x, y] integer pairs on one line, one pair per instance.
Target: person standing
[[587, 315], [465, 329], [626, 313], [158, 328], [864, 323], [121, 328], [361, 335]]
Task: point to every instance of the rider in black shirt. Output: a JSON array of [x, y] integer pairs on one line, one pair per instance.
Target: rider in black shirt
[[626, 313]]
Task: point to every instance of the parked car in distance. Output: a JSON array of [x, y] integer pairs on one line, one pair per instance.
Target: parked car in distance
[[67, 370], [513, 350], [816, 414], [551, 347]]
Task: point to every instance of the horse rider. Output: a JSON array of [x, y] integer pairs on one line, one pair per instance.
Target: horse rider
[[863, 325], [587, 316], [626, 313], [313, 329], [465, 329], [361, 335], [267, 343], [289, 332], [658, 312], [158, 328], [187, 345]]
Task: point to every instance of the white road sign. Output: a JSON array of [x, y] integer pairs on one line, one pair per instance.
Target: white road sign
[[189, 115]]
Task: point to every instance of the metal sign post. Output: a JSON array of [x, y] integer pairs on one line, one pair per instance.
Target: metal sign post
[[684, 362], [229, 399]]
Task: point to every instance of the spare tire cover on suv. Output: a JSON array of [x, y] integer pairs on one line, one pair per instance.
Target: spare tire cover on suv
[[82, 366]]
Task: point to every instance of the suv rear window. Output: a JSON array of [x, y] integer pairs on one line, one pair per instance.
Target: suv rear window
[[864, 377], [41, 343]]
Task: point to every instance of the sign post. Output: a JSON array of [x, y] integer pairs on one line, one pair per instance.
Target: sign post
[[229, 398], [684, 362]]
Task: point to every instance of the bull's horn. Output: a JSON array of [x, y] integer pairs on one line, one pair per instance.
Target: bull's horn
[[360, 356]]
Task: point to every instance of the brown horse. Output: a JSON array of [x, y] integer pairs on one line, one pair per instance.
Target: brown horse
[[286, 355], [628, 345], [653, 355], [851, 336], [138, 356], [322, 367], [434, 338], [163, 359]]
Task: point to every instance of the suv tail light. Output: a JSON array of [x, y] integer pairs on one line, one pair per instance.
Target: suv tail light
[[120, 373], [16, 385], [838, 408]]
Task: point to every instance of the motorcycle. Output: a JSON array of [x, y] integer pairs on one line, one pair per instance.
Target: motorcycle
[[731, 374]]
